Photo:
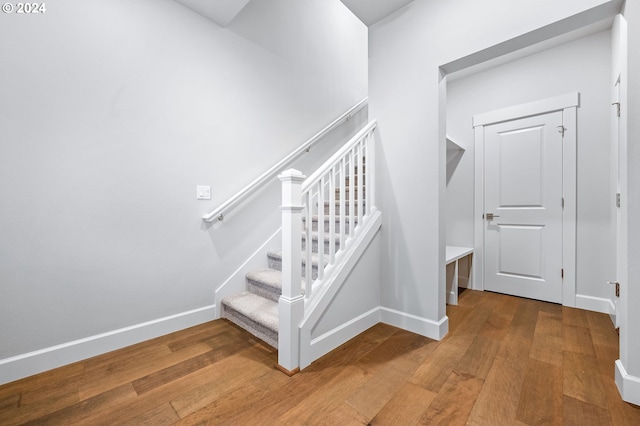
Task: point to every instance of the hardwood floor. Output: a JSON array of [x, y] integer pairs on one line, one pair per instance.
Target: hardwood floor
[[506, 361]]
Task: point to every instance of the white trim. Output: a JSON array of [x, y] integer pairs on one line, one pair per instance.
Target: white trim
[[244, 193], [569, 185], [543, 106], [35, 362], [478, 224], [237, 282], [590, 303], [569, 213], [628, 385], [419, 325], [312, 349]]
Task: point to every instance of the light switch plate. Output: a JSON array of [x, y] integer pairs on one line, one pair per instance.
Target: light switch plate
[[203, 192]]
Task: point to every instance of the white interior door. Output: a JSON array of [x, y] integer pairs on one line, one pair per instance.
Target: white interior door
[[523, 207]]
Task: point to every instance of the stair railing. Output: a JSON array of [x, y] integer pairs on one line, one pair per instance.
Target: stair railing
[[336, 200], [220, 212]]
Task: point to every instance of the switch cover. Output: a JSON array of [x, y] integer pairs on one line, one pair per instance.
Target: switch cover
[[203, 192]]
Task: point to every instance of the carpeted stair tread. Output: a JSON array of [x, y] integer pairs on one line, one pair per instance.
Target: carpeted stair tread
[[256, 309], [277, 255], [327, 224], [337, 203], [314, 218], [259, 309], [265, 282], [336, 207], [267, 277], [314, 236], [275, 262], [254, 313], [314, 242]]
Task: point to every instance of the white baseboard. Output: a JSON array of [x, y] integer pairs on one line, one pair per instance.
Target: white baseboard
[[628, 385], [321, 345], [237, 281], [590, 303], [28, 364], [419, 325]]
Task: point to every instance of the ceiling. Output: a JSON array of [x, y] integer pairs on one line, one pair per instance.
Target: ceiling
[[219, 11], [222, 12], [372, 11]]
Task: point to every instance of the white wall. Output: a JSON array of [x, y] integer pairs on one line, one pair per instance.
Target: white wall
[[111, 112], [581, 66], [405, 52]]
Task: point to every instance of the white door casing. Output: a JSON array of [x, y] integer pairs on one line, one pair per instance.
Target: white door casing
[[523, 189], [615, 201], [529, 204]]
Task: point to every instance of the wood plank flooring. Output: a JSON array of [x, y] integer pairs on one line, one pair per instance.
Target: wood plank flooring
[[505, 361]]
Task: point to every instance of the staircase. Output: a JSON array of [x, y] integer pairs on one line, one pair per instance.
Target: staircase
[[256, 309], [328, 219]]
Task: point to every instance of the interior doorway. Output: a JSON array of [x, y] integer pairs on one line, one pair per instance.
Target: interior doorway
[[525, 158]]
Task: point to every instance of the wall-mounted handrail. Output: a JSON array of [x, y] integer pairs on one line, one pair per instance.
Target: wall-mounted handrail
[[338, 155], [219, 213]]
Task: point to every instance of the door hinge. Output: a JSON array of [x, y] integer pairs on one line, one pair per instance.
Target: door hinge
[[618, 199], [562, 273], [617, 284], [617, 104], [561, 129]]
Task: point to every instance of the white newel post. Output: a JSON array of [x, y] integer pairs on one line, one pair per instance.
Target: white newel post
[[291, 303]]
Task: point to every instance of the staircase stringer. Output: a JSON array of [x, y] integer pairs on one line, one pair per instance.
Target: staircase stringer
[[328, 288]]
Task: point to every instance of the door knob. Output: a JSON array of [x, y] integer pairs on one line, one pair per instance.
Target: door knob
[[490, 216]]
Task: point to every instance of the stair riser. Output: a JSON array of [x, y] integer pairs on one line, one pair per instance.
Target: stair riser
[[277, 264], [314, 247], [265, 291], [246, 323], [357, 177], [326, 226], [346, 194], [327, 208]]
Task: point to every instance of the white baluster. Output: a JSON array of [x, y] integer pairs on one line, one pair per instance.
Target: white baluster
[[308, 282], [291, 302], [360, 178], [332, 216], [371, 173], [352, 191], [321, 190], [341, 204]]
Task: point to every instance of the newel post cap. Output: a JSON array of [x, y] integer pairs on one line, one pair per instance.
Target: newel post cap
[[291, 175]]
